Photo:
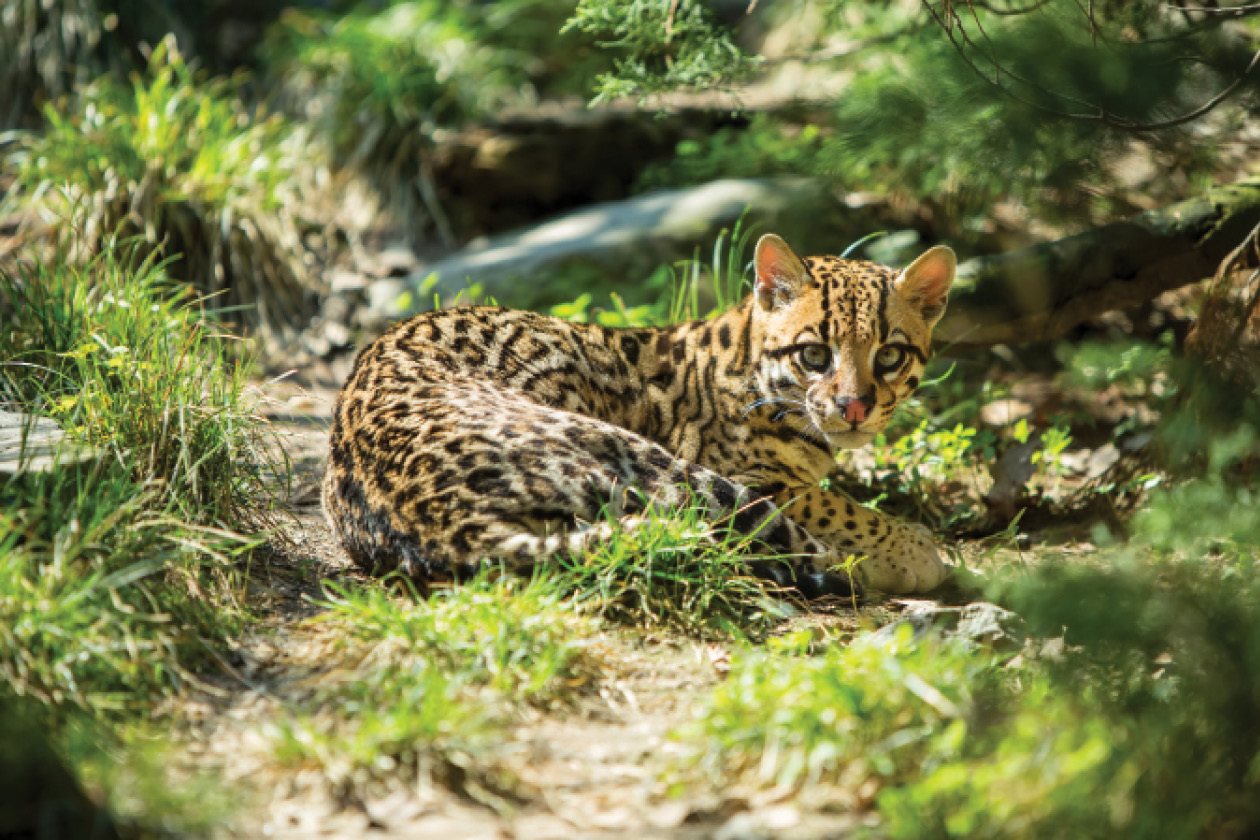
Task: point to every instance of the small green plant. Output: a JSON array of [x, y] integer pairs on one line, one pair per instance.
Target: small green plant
[[850, 567], [179, 162], [917, 464]]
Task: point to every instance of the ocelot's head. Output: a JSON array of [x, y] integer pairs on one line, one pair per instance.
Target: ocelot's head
[[844, 341]]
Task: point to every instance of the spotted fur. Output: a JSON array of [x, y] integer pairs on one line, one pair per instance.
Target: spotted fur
[[482, 433]]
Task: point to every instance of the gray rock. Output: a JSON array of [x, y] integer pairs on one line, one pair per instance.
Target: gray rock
[[622, 236], [395, 260], [980, 623]]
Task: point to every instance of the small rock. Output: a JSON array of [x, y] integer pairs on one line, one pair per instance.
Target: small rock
[[743, 827], [342, 281], [337, 334], [1005, 412], [1101, 459], [980, 623], [985, 623], [389, 298], [396, 260]]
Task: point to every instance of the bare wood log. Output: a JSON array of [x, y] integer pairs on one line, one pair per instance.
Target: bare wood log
[[35, 444], [1041, 292]]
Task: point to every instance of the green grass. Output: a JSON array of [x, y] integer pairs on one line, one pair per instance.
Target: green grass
[[851, 713], [178, 161], [426, 684], [121, 576], [123, 358], [519, 638], [676, 571]]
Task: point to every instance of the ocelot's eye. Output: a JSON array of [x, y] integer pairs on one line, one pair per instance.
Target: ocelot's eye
[[889, 358], [815, 357]]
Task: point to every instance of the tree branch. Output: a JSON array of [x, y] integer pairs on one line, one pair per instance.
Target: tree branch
[[1040, 293]]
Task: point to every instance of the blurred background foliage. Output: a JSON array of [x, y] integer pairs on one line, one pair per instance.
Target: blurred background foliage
[[171, 168]]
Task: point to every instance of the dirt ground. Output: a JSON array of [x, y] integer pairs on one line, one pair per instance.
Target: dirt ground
[[591, 770]]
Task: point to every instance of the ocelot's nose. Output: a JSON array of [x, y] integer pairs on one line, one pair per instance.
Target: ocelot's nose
[[853, 409]]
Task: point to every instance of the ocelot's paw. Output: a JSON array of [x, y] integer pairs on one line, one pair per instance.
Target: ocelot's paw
[[908, 562], [810, 583]]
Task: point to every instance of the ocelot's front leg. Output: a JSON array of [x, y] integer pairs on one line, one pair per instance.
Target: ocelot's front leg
[[901, 557]]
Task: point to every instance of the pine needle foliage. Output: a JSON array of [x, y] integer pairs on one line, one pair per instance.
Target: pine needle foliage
[[660, 46], [963, 105]]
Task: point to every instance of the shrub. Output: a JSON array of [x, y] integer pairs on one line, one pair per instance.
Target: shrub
[[179, 162], [378, 83], [1160, 673]]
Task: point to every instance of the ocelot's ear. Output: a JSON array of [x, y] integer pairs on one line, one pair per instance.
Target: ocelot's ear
[[780, 273], [926, 281]]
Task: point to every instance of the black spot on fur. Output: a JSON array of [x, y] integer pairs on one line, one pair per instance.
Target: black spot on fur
[[630, 349]]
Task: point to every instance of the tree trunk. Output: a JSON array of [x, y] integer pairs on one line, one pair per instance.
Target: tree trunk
[[1041, 292]]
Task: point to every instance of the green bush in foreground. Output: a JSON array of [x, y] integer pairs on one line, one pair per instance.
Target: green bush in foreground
[[179, 162], [1145, 725], [117, 572]]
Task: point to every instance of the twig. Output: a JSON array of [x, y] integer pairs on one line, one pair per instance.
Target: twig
[[1008, 12], [1233, 11]]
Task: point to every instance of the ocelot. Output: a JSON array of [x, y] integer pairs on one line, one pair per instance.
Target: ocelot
[[481, 433]]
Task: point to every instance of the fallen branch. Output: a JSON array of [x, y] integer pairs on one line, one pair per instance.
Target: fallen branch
[[1041, 292]]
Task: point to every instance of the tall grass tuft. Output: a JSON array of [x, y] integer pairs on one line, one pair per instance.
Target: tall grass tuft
[[676, 570], [178, 161], [118, 572]]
